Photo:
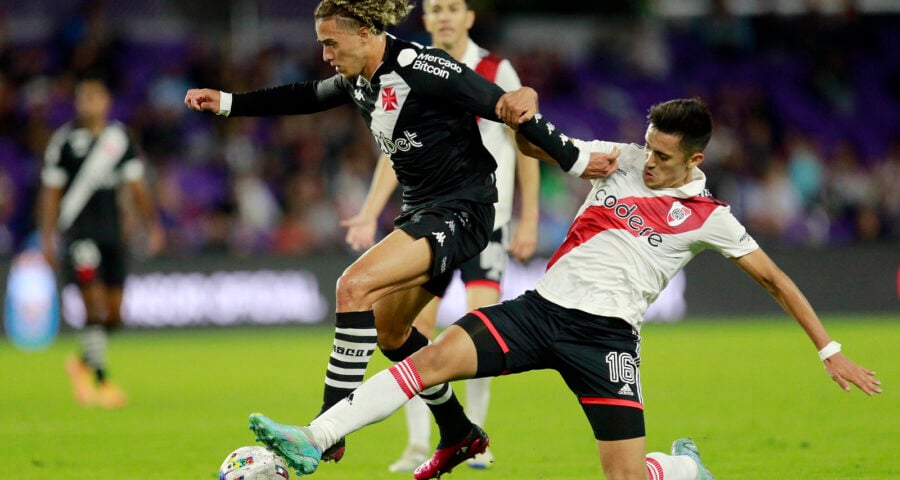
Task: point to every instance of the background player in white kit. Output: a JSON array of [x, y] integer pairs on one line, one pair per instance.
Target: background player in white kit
[[637, 228], [449, 22]]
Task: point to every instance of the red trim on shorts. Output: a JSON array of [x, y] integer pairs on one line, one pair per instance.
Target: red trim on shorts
[[484, 283], [616, 402], [492, 329]]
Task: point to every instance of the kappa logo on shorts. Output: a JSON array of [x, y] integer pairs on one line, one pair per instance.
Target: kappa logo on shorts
[[626, 390]]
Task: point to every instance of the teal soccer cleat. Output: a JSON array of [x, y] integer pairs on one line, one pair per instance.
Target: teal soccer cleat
[[294, 444], [686, 446]]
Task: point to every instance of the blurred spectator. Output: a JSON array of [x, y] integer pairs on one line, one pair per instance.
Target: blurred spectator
[[774, 208], [887, 178], [783, 90], [7, 211], [851, 196]]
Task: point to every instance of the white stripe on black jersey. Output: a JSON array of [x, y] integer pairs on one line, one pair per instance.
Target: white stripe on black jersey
[[90, 170]]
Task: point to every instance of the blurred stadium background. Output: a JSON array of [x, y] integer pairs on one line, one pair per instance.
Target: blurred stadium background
[[805, 95]]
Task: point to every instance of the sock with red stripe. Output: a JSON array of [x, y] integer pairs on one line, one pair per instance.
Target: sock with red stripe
[[670, 467], [376, 399]]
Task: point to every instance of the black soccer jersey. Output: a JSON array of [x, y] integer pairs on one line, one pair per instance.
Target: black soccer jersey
[[90, 169], [421, 107]]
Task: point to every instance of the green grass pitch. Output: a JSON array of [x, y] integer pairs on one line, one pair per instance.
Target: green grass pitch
[[750, 391]]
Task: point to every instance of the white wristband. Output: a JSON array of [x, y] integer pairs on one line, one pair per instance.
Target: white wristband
[[584, 158], [224, 104], [829, 350]]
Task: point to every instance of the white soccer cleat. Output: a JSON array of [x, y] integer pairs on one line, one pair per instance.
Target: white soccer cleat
[[412, 457]]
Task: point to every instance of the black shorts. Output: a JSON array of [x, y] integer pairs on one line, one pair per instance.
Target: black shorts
[[487, 267], [597, 357], [456, 231], [86, 260]]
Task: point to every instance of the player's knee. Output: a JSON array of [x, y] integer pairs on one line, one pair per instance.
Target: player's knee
[[355, 292]]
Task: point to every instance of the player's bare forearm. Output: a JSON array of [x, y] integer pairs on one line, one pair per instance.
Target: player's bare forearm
[[524, 240], [362, 227], [840, 368], [48, 212]]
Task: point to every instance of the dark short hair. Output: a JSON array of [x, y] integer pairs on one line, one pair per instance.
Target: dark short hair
[[687, 118]]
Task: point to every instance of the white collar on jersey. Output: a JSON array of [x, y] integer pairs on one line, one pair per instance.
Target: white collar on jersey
[[472, 55], [696, 187]]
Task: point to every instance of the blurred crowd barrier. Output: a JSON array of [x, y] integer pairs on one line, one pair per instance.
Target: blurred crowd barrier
[[216, 290], [806, 147]]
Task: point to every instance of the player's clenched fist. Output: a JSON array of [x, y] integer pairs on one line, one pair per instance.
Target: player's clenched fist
[[602, 164], [201, 99], [517, 106]]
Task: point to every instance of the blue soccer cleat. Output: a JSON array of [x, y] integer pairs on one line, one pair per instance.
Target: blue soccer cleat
[[294, 444], [686, 446]]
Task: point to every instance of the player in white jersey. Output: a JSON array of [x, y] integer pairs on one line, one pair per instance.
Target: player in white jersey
[[449, 22], [637, 227]]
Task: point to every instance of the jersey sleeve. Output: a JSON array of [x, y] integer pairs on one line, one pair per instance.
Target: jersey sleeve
[[131, 165], [507, 78], [52, 173], [437, 75], [725, 234], [293, 99]]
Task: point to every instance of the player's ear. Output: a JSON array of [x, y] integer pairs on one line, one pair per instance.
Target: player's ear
[[470, 18], [695, 159]]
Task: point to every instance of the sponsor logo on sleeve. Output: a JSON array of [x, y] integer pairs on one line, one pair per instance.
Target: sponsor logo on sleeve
[[435, 65]]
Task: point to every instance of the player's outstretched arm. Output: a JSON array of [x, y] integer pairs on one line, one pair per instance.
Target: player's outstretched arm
[[601, 164], [841, 369], [528, 176]]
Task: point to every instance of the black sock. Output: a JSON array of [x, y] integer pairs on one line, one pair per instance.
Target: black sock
[[448, 413]]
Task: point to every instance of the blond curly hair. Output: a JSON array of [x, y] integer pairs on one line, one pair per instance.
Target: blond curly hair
[[375, 14]]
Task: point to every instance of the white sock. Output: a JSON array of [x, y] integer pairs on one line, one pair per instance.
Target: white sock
[[376, 399], [478, 396], [671, 467], [418, 423]]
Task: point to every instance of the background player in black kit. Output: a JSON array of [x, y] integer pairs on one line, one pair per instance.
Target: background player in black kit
[[421, 106], [86, 162]]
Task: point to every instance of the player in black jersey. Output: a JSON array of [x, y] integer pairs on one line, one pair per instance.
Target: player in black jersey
[[421, 107], [86, 161]]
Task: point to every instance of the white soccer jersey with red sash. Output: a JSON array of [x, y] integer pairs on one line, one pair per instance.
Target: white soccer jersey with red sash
[[628, 240], [496, 136]]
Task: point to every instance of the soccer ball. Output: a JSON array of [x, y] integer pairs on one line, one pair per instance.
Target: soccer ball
[[253, 463]]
